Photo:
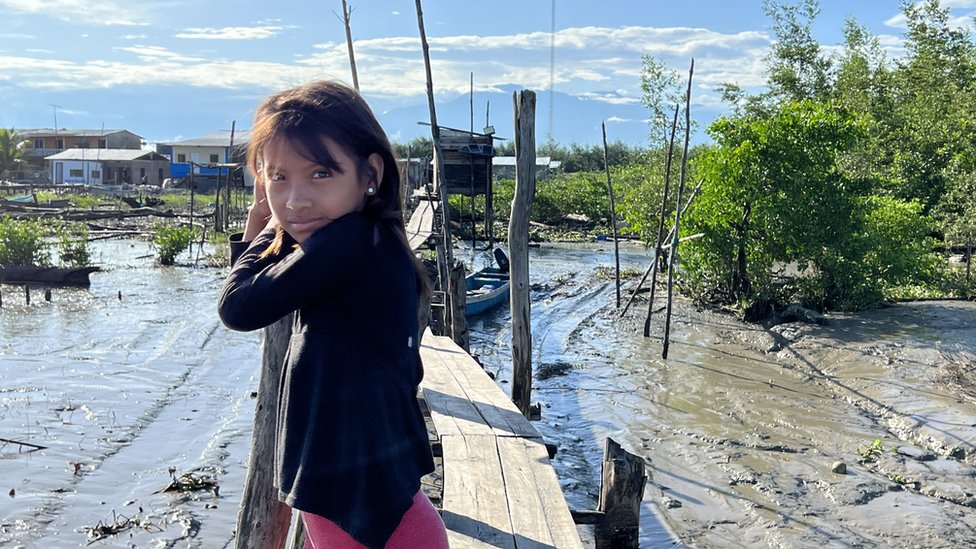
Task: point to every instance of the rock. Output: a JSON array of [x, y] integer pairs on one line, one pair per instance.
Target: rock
[[670, 503], [839, 467]]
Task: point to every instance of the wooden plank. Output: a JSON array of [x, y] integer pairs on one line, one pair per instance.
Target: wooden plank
[[450, 410], [421, 224], [454, 372], [528, 513], [475, 508], [560, 521]]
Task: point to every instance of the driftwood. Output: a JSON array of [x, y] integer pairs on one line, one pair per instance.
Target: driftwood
[[49, 276]]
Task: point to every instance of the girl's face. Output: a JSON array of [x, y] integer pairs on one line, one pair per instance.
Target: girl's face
[[304, 195]]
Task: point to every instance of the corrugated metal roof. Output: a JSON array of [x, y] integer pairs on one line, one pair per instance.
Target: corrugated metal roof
[[106, 155], [540, 161], [45, 132], [220, 138]]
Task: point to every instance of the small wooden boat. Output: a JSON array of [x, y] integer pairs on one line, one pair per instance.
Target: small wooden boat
[[487, 287]]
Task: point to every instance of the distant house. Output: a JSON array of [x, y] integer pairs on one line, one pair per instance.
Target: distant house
[[503, 167], [202, 155], [108, 167], [42, 143]]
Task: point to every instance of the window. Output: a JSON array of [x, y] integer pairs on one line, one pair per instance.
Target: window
[[103, 143], [96, 174], [181, 158], [38, 142], [76, 173], [215, 158], [142, 172], [59, 143]]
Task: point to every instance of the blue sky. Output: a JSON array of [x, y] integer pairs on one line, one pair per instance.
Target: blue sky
[[173, 69]]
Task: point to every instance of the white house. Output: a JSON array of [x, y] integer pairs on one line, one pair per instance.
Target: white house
[[107, 166]]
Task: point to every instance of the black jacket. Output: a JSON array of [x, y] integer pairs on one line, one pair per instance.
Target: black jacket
[[351, 442]]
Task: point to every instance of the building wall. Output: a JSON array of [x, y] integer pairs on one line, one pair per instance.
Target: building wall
[[199, 155], [77, 171]]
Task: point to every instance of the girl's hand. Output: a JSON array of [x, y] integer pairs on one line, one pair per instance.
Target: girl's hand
[[259, 213]]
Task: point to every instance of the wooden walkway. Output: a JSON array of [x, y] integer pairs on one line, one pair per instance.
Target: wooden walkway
[[500, 490], [421, 224]]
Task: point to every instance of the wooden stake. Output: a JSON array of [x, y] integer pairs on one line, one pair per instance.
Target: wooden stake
[[263, 521], [621, 491], [613, 215], [518, 245], [660, 223], [677, 215], [352, 55], [637, 288], [445, 252], [27, 293]]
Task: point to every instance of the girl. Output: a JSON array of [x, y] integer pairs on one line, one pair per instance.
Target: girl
[[325, 237]]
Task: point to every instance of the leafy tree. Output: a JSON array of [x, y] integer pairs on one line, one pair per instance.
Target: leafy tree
[[796, 66], [775, 201], [661, 90], [10, 151]]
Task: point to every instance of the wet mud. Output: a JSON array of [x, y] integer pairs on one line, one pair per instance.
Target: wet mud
[[855, 433], [742, 427]]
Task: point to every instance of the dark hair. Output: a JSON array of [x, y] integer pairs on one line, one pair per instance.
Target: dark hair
[[307, 114]]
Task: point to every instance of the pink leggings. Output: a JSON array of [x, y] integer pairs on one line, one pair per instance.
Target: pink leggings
[[421, 526]]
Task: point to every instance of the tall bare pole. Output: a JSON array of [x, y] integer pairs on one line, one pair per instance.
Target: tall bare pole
[[677, 213], [613, 215], [230, 156], [445, 260], [660, 224], [352, 55]]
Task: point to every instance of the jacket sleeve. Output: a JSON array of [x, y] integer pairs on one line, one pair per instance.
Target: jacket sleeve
[[259, 291]]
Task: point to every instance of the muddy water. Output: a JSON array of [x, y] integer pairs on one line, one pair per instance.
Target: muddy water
[[740, 426], [120, 391]]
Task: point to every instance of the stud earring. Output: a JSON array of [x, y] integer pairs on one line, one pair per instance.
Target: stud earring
[[370, 191]]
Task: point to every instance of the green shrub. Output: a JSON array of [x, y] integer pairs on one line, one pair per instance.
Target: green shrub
[[170, 241], [22, 243], [72, 245]]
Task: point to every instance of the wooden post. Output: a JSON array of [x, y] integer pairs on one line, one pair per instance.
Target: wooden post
[[613, 214], [263, 521], [458, 302], [518, 245], [677, 215], [27, 293], [47, 294], [621, 492], [230, 156], [445, 251], [654, 257], [352, 55], [660, 223]]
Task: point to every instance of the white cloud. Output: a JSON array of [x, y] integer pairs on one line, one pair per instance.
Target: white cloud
[[613, 119], [959, 3], [155, 54], [231, 33], [103, 12], [133, 37], [392, 68]]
